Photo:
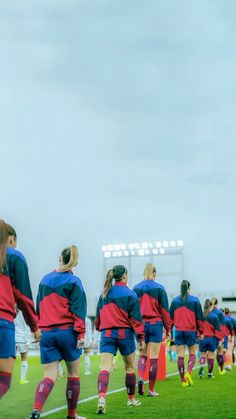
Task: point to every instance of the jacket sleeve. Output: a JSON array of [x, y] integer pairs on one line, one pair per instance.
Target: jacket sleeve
[[164, 308], [97, 318], [23, 294], [135, 317], [199, 317], [78, 307]]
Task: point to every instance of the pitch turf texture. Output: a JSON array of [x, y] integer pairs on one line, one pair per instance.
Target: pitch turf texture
[[206, 399]]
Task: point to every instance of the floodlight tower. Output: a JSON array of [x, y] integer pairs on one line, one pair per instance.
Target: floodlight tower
[[166, 255]]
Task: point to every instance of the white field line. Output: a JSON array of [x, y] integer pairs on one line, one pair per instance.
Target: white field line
[[88, 399]]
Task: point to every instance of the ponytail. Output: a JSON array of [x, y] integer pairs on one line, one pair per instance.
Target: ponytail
[[107, 283], [3, 243], [116, 273], [185, 285], [149, 271], [207, 306], [69, 258]]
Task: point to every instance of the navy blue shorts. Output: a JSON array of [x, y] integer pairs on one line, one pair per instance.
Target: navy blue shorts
[[114, 339], [208, 344], [7, 339], [57, 344], [185, 338], [225, 342], [153, 332]]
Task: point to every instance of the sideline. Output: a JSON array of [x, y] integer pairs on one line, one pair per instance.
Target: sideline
[[88, 399]]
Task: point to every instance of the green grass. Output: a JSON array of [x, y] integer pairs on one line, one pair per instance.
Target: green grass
[[206, 399]]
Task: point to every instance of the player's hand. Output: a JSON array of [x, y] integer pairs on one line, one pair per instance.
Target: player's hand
[[140, 345], [37, 336], [201, 337], [80, 343]]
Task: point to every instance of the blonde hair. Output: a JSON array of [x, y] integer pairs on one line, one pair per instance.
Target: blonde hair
[[149, 271], [107, 283], [3, 243], [69, 258]]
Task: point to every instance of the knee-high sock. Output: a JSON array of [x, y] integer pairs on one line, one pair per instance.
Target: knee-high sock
[[210, 365], [43, 390], [5, 381], [86, 362], [142, 365], [102, 383], [152, 373], [23, 369], [220, 361], [130, 382], [72, 395], [191, 362], [202, 360], [180, 364]]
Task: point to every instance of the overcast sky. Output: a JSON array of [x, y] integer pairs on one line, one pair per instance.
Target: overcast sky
[[118, 125]]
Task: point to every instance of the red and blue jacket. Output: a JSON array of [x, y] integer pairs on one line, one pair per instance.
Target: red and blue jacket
[[187, 315], [153, 302], [221, 318], [229, 326], [15, 289], [61, 302], [211, 327], [120, 309]]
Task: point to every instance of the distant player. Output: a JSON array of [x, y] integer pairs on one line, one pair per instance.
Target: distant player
[[220, 354], [61, 304], [14, 289], [187, 317], [23, 341], [155, 314], [87, 345], [208, 345], [118, 318]]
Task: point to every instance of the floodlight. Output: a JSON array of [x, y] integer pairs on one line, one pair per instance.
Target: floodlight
[[132, 252], [116, 247], [141, 252], [107, 254], [114, 254], [154, 251], [104, 248], [110, 247], [180, 243], [162, 251], [126, 253], [173, 243], [158, 244], [119, 253], [131, 246], [150, 245]]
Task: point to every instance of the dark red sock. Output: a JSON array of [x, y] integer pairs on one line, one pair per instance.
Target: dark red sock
[[191, 362], [72, 395], [202, 360], [180, 364], [141, 365], [210, 365], [130, 382], [152, 373], [220, 361], [5, 381], [102, 383], [43, 390]]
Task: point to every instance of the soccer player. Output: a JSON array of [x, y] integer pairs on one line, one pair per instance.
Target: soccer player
[[187, 317], [155, 314], [118, 318], [87, 345], [14, 289], [23, 341], [207, 346], [61, 305], [220, 354], [228, 343]]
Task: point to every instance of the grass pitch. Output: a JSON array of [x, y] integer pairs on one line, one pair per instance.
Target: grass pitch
[[206, 399]]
